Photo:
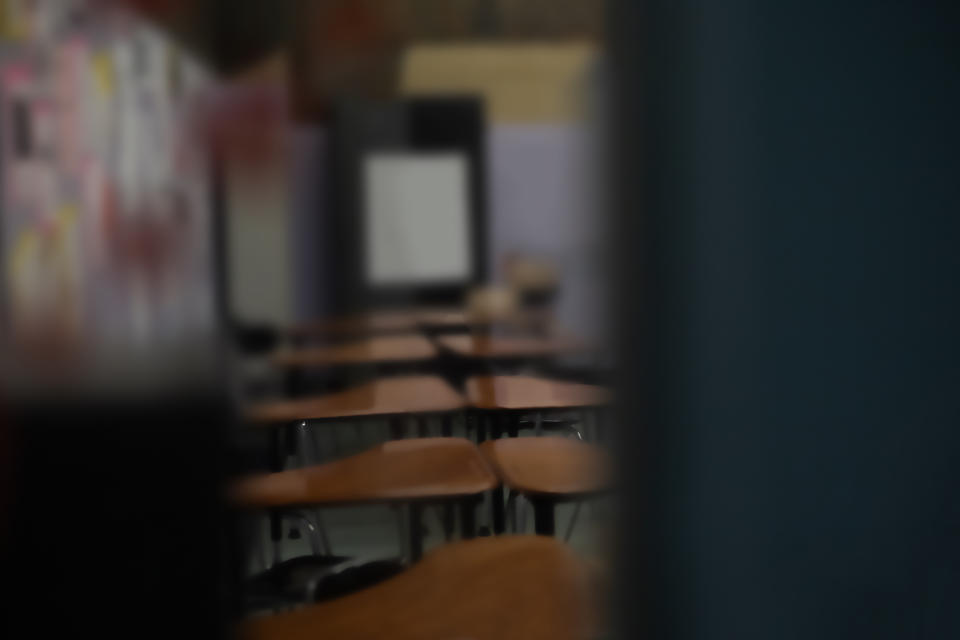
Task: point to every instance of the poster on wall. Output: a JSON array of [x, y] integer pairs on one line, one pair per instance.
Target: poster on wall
[[105, 221]]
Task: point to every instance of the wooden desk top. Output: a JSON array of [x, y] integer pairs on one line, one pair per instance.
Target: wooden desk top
[[524, 392], [454, 318], [370, 323], [503, 588], [397, 471], [393, 321], [376, 350], [387, 396], [480, 346], [443, 318], [551, 466]]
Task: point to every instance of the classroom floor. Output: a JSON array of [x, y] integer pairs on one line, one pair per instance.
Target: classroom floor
[[372, 532]]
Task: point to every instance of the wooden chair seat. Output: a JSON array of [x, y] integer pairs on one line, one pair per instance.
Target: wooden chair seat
[[401, 395], [524, 392], [397, 471], [505, 588], [552, 467]]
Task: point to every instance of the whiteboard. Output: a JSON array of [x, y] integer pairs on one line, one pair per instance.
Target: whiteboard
[[416, 215]]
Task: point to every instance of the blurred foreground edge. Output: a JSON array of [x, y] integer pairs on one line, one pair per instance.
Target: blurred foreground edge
[[115, 525]]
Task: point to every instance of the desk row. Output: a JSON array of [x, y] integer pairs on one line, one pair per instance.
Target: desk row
[[418, 395], [411, 348]]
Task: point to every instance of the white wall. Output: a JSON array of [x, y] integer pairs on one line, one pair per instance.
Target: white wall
[[259, 248], [542, 201]]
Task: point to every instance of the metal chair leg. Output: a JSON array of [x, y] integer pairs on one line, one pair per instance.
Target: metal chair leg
[[255, 542], [303, 459], [590, 425], [524, 506], [402, 544], [485, 425], [512, 512], [416, 532], [447, 518], [276, 535], [583, 421], [278, 442], [304, 444], [572, 523], [316, 542], [498, 514], [577, 432]]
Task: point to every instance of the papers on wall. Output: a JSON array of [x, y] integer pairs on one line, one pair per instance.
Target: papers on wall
[[416, 223]]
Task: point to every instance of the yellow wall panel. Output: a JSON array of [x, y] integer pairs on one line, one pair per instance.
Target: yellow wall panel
[[526, 82]]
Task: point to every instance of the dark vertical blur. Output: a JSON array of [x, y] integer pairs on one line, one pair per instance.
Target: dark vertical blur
[[117, 526], [112, 396], [788, 190]]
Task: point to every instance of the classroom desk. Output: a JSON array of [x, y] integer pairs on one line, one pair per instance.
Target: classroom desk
[[394, 396], [360, 324], [386, 322], [509, 346], [402, 471], [503, 398], [369, 351], [396, 471], [549, 470], [443, 318], [531, 393], [382, 322], [507, 588]]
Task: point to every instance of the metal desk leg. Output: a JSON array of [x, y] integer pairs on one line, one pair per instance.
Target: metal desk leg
[[522, 509], [468, 519], [304, 444], [543, 517], [512, 512], [446, 426], [276, 519], [572, 523], [481, 428], [402, 543], [448, 518], [446, 430], [397, 429], [498, 424], [416, 532], [513, 427], [499, 510], [481, 421]]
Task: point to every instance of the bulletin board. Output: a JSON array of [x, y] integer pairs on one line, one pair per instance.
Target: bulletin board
[[106, 193]]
